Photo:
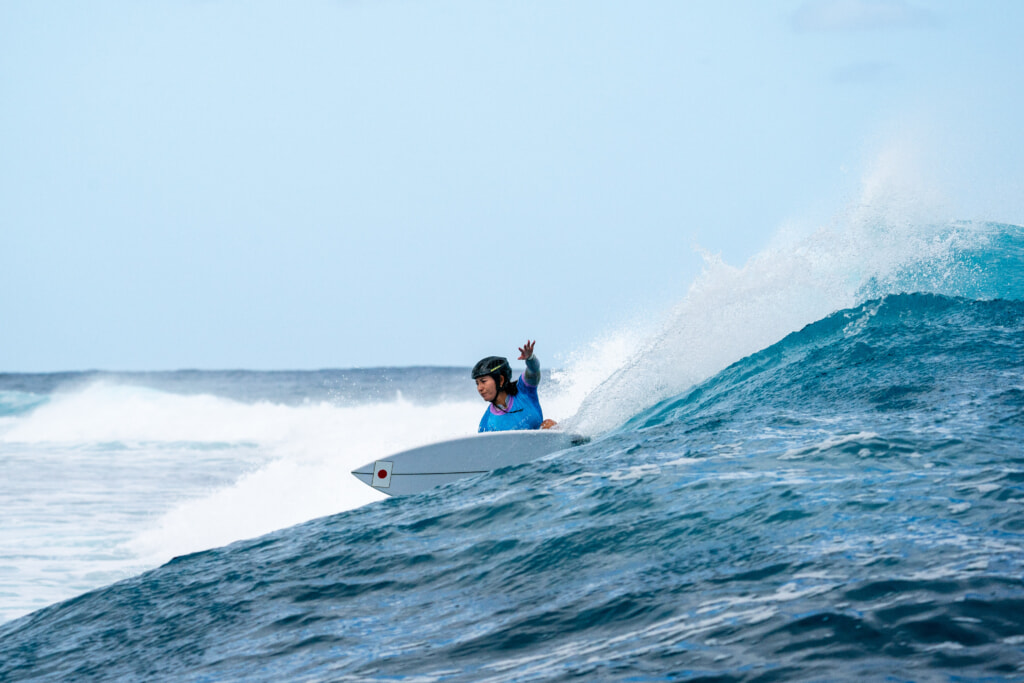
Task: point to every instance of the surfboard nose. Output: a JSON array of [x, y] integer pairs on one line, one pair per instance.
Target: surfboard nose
[[377, 474]]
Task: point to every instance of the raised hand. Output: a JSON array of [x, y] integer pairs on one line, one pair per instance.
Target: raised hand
[[526, 350]]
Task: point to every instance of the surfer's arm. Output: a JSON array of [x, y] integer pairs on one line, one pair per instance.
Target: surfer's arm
[[532, 374]]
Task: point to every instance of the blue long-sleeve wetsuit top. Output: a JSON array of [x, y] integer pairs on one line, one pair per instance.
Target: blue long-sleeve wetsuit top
[[522, 411]]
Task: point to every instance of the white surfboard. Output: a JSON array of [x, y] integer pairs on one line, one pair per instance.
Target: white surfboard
[[428, 466]]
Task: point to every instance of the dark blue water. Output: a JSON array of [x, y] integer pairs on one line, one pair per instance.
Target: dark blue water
[[846, 504]]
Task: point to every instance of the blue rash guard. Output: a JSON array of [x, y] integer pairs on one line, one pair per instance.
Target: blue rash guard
[[523, 410]]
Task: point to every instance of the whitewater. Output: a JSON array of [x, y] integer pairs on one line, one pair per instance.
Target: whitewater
[[811, 469]]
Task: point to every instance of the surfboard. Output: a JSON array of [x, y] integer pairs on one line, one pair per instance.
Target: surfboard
[[425, 467]]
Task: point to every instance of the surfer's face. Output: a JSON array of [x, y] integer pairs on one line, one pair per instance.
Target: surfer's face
[[487, 388]]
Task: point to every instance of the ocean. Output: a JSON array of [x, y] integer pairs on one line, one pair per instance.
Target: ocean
[[811, 469]]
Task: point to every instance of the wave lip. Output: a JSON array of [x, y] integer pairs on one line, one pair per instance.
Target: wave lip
[[894, 354], [730, 313]]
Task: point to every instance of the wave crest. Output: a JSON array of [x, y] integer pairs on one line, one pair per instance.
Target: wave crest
[[730, 313]]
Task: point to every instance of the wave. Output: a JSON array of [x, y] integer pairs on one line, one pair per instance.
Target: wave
[[818, 445], [915, 353], [730, 313]]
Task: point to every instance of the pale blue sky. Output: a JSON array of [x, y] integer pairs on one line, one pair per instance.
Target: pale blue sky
[[248, 184]]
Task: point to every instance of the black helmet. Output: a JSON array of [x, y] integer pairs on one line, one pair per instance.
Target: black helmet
[[493, 366]]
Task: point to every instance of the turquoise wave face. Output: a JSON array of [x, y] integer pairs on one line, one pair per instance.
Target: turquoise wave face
[[915, 353], [842, 505]]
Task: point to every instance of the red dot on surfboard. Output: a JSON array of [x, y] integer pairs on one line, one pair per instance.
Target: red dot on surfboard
[[382, 474]]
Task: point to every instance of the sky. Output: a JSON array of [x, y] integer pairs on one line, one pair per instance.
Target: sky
[[354, 183]]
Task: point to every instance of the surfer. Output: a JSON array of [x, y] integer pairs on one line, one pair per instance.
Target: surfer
[[514, 405]]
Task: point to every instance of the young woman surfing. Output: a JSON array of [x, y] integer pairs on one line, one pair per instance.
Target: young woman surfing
[[514, 405]]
